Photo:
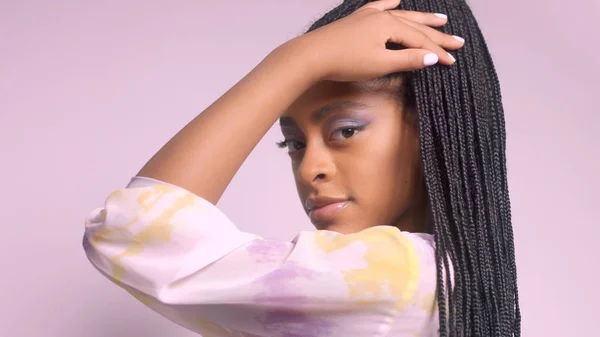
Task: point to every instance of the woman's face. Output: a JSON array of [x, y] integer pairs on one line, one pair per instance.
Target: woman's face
[[355, 158]]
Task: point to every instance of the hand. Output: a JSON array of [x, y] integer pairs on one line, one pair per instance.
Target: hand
[[354, 47]]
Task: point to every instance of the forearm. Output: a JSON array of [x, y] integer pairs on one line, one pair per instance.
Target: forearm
[[205, 155]]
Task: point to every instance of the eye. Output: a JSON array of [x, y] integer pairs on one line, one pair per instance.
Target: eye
[[344, 132], [292, 145]]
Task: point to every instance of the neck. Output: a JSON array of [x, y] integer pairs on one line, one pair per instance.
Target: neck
[[416, 219]]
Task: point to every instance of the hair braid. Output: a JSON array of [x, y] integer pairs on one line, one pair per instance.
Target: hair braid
[[463, 140]]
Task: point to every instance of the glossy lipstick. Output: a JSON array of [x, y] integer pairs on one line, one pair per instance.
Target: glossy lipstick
[[323, 210]]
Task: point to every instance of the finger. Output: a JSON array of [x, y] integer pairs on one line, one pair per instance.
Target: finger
[[429, 19], [383, 5], [412, 37], [407, 60], [443, 40]]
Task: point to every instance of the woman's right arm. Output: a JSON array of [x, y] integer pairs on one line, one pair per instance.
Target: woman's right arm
[[167, 243], [205, 155]]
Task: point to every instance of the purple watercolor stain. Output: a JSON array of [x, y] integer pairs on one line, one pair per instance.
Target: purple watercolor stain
[[265, 251], [279, 287], [287, 323], [282, 295]]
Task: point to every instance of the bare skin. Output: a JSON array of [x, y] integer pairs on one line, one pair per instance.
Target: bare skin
[[206, 154], [356, 152]]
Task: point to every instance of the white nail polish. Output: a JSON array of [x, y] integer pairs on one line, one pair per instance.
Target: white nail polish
[[430, 59], [440, 15], [458, 38], [452, 57]]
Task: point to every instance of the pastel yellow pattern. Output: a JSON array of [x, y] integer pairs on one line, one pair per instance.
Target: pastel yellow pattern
[[157, 230], [145, 203], [429, 303], [210, 329], [179, 255], [391, 260]]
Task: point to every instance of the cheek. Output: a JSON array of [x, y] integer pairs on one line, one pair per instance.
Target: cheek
[[388, 170], [301, 188]]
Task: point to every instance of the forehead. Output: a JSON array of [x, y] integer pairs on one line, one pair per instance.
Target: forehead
[[352, 94]]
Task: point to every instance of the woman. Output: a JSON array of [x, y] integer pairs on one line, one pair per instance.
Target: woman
[[398, 157]]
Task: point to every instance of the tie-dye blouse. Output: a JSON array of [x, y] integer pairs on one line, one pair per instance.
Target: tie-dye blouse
[[181, 256]]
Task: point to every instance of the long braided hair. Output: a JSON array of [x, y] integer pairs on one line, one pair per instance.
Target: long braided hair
[[462, 136]]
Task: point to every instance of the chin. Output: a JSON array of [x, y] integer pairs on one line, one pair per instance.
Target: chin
[[339, 227], [329, 226]]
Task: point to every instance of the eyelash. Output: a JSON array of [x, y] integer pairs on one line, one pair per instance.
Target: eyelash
[[284, 143]]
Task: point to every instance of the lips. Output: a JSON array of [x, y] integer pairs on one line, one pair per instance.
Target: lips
[[325, 209], [313, 203]]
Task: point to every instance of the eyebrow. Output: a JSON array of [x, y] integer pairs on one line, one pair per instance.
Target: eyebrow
[[320, 113]]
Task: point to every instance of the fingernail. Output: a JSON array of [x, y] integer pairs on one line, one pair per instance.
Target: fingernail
[[440, 15], [452, 57], [458, 38], [431, 59]]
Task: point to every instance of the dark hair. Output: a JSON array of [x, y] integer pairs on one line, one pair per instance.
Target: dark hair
[[462, 135]]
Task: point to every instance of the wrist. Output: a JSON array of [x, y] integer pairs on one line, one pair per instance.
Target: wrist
[[299, 57]]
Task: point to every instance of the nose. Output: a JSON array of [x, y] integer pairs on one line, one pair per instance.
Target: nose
[[317, 166]]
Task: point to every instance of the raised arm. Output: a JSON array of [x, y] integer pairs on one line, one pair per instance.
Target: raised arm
[[205, 155], [163, 239]]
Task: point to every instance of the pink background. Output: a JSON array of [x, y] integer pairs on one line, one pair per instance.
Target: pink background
[[89, 90]]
